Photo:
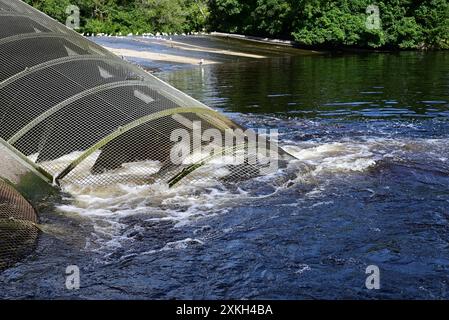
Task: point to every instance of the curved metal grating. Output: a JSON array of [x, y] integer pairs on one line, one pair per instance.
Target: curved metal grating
[[86, 116], [18, 231]]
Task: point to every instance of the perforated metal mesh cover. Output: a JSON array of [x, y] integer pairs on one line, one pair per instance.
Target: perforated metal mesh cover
[[18, 231], [86, 116]]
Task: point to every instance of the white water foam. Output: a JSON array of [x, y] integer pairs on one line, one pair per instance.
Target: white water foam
[[106, 205]]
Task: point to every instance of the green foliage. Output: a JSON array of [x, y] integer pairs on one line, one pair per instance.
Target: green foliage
[[131, 16], [404, 24]]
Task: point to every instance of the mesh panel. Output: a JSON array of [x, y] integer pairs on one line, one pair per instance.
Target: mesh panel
[[47, 87], [15, 7], [18, 55], [212, 160], [80, 124], [141, 154], [232, 165], [11, 25], [19, 7], [18, 232], [4, 6]]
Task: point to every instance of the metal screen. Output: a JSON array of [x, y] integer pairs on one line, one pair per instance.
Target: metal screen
[[18, 231], [86, 116]]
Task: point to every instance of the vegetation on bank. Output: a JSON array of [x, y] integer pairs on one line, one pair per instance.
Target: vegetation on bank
[[405, 24], [401, 24], [130, 16]]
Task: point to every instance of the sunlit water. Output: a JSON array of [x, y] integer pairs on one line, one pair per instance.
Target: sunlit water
[[370, 186]]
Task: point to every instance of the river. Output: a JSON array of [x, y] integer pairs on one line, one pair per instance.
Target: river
[[370, 187]]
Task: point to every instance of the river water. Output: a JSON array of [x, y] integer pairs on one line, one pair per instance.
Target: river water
[[370, 187]]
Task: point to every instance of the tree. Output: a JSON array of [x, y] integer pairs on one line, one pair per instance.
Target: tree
[[404, 24]]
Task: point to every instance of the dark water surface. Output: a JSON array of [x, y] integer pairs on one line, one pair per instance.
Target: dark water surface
[[370, 187]]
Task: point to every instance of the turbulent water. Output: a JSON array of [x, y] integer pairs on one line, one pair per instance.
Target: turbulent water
[[370, 186]]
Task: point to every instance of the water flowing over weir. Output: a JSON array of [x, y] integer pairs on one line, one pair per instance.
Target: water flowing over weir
[[77, 114]]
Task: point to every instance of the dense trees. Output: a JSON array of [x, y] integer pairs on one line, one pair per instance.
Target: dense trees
[[136, 16], [404, 24]]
